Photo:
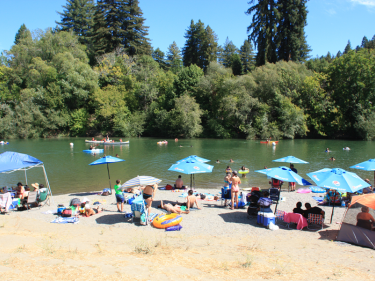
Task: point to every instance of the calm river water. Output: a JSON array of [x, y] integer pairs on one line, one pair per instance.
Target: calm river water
[[68, 170]]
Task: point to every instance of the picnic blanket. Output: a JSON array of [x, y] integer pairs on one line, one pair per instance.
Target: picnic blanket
[[73, 220]]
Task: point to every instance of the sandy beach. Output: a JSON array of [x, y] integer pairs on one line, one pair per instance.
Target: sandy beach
[[215, 243]]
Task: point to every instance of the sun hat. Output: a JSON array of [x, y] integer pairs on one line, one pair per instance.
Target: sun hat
[[35, 185]]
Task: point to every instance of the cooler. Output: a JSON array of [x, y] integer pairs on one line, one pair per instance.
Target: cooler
[[260, 218], [268, 218]]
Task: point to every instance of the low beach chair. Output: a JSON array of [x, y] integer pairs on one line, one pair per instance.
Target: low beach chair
[[279, 217], [315, 219], [226, 194], [31, 199], [43, 197]]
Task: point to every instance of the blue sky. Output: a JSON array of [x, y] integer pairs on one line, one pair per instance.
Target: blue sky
[[331, 23]]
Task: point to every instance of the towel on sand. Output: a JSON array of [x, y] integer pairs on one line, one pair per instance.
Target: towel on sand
[[319, 199], [73, 220]]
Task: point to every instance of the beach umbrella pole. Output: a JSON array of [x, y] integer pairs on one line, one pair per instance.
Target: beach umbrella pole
[[109, 177], [333, 208]]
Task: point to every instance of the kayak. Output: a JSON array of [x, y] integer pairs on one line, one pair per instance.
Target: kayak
[[269, 142], [116, 142], [88, 141], [93, 150]]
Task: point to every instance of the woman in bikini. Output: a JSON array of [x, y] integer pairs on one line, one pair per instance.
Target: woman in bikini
[[235, 189], [228, 170], [148, 195]]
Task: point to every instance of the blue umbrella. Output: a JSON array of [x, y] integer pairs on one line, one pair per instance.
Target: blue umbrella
[[107, 160], [368, 165], [199, 159], [140, 180], [191, 166], [338, 179], [284, 174], [290, 159]]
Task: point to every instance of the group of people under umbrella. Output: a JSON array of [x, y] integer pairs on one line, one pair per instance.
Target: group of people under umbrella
[[334, 179]]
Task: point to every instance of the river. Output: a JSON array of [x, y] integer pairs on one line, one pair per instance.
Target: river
[[69, 171]]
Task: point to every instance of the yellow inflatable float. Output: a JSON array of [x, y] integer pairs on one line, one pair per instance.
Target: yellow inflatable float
[[164, 220]]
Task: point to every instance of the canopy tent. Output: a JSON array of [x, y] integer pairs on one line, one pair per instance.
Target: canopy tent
[[353, 232], [13, 161]]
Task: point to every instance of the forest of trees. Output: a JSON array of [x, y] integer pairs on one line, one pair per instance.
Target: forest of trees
[[96, 73]]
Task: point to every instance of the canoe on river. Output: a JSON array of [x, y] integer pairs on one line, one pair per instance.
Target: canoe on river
[[116, 142]]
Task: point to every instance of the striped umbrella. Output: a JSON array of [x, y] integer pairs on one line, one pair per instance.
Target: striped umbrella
[[141, 180]]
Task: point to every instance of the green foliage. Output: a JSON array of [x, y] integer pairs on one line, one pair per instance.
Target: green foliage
[[247, 57], [187, 79], [236, 64], [22, 34], [226, 55]]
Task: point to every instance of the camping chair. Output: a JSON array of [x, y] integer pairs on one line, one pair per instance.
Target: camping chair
[[275, 183], [226, 194], [315, 219], [32, 199], [274, 196], [138, 207], [43, 197], [279, 217]]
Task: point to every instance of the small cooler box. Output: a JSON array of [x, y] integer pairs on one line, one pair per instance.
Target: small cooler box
[[265, 218]]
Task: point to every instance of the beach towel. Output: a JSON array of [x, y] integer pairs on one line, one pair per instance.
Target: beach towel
[[73, 220], [319, 199]]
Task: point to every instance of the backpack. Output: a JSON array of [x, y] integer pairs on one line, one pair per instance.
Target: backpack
[[66, 213], [75, 202], [168, 187]]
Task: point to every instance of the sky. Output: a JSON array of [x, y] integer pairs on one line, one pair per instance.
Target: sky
[[330, 23]]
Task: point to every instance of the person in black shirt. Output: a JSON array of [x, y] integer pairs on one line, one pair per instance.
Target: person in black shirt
[[309, 210], [293, 184], [298, 210]]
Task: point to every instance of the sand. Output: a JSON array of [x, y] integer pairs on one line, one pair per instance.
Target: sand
[[215, 243]]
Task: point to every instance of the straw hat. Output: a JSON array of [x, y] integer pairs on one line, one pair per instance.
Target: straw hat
[[35, 185]]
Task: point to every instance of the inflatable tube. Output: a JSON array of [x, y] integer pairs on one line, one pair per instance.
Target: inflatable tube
[[317, 189], [304, 190], [93, 151], [243, 171], [164, 220], [162, 142]]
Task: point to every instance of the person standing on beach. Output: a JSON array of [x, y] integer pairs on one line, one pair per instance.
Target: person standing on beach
[[148, 195], [119, 196], [293, 184], [235, 189], [227, 185]]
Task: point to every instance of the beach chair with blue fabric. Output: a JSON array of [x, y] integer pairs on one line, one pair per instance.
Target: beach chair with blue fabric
[[138, 208], [226, 194]]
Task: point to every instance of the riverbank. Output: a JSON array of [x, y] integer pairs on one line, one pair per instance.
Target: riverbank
[[215, 243]]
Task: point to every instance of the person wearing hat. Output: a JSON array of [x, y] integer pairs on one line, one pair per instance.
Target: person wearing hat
[[36, 186], [235, 189]]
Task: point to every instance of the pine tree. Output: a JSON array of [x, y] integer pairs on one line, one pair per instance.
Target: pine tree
[[22, 33], [247, 57], [348, 48], [290, 37], [229, 49], [173, 53], [263, 29], [192, 51], [364, 42], [135, 41], [209, 47], [339, 54], [78, 17], [159, 57], [100, 34], [236, 64]]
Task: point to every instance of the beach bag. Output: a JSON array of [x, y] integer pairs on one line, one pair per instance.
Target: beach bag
[[66, 213], [75, 202], [265, 202], [168, 187], [105, 193]]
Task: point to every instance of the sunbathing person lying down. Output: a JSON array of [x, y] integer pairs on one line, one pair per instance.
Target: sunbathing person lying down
[[90, 212], [172, 209]]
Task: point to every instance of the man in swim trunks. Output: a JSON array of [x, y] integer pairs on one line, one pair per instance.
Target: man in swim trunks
[[235, 189], [172, 209], [190, 201], [179, 183]]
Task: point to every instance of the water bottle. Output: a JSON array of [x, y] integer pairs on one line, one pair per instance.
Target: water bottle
[[174, 228]]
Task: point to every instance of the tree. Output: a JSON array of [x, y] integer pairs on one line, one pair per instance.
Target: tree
[[174, 59], [290, 31], [209, 47], [187, 80], [348, 47], [229, 49], [364, 42], [247, 57], [22, 33], [78, 17], [236, 64], [339, 54], [100, 33], [192, 51], [263, 29], [158, 56]]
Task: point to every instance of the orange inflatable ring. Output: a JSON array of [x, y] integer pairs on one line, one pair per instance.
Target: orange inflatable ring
[[164, 220]]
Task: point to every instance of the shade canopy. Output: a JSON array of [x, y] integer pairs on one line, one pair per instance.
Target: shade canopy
[[11, 161], [141, 180], [368, 165], [106, 160], [338, 179], [367, 200], [284, 174], [191, 166], [290, 159], [199, 159]]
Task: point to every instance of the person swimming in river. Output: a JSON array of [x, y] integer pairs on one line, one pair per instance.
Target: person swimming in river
[[231, 161], [332, 159], [228, 170], [327, 150], [243, 169], [217, 161]]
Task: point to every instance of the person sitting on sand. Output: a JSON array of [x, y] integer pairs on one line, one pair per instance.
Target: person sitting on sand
[[20, 191], [243, 169], [298, 209], [172, 209], [314, 210], [365, 219], [368, 189], [264, 203], [179, 183], [190, 201], [90, 212]]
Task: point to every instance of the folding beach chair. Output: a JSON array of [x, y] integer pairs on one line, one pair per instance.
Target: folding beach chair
[[315, 219], [43, 197], [226, 194], [275, 196], [138, 208], [32, 199], [279, 217]]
